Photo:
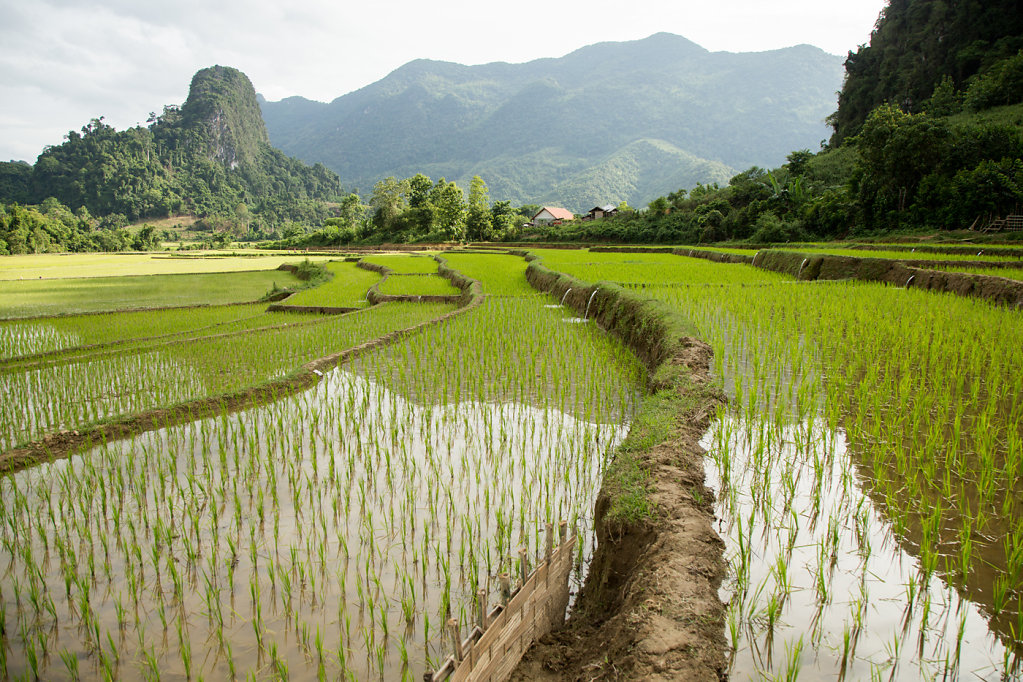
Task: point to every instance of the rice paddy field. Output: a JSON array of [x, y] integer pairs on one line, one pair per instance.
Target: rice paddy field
[[1003, 255], [418, 285], [330, 533], [65, 265], [50, 297], [346, 289], [1008, 273], [867, 474]]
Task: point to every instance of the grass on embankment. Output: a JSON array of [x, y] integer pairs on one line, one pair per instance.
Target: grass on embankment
[[654, 333]]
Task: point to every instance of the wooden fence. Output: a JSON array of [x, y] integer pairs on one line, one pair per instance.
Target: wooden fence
[[502, 634]]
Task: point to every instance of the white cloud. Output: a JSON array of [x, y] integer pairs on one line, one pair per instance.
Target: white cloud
[[63, 62]]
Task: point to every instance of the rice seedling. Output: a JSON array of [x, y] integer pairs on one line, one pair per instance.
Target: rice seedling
[[844, 396], [418, 285], [68, 395], [405, 263], [362, 512]]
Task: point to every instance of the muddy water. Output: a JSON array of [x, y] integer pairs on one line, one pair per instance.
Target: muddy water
[[332, 533], [819, 582]]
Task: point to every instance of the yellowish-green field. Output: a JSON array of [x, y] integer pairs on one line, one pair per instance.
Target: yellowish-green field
[[33, 297], [62, 265]]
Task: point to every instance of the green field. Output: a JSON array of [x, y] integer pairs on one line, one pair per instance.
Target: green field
[[418, 285], [869, 458], [63, 265], [866, 468], [500, 275], [346, 289], [1008, 273], [920, 254], [27, 298], [406, 264]]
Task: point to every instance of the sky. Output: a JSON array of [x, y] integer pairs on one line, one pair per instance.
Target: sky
[[64, 62]]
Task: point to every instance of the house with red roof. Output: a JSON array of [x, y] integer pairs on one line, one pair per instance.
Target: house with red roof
[[552, 215]]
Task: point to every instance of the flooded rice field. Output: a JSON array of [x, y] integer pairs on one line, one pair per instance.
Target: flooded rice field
[[331, 534]]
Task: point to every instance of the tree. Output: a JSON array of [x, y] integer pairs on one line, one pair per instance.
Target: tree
[[478, 219], [798, 162], [659, 206], [387, 202], [505, 219], [418, 192], [449, 206]]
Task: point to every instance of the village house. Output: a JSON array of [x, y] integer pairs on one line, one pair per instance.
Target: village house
[[552, 215], [601, 212]]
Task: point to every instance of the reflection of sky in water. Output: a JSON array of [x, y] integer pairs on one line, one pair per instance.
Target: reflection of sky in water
[[790, 496], [28, 338], [34, 403], [344, 505]]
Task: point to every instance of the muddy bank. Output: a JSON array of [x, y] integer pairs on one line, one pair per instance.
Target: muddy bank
[[317, 309], [649, 608], [66, 443]]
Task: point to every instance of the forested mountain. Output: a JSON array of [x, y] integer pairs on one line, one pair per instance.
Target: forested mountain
[[210, 157], [608, 122], [916, 45], [928, 136]]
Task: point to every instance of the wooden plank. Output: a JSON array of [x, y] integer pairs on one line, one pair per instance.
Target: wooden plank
[[533, 610]]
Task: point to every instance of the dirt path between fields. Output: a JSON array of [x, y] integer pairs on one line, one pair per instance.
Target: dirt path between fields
[[650, 608]]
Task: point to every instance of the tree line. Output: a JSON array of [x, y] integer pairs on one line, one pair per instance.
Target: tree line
[[416, 209]]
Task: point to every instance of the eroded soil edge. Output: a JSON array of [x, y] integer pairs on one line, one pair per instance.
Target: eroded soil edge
[[649, 608]]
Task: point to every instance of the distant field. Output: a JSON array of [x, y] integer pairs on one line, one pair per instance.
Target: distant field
[[418, 285], [405, 263], [498, 274], [919, 254], [1007, 273], [651, 268], [30, 297], [54, 265], [346, 290]]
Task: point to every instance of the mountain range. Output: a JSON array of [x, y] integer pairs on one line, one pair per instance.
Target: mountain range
[[608, 122]]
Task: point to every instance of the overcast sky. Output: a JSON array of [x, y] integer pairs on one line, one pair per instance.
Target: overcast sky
[[63, 62]]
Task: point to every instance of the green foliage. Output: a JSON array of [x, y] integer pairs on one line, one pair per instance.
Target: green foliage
[[946, 100], [479, 222], [1000, 84], [915, 46], [311, 273], [52, 226]]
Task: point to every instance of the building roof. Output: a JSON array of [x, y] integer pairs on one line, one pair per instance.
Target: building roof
[[606, 209], [557, 212]]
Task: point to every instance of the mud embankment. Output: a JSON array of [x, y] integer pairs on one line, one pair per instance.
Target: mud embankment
[[649, 608]]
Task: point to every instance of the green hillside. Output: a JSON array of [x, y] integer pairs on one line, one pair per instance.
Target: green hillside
[[535, 129], [916, 44], [210, 158]]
